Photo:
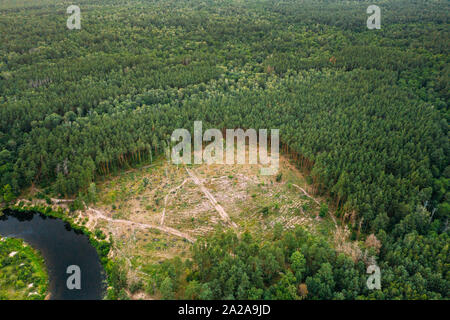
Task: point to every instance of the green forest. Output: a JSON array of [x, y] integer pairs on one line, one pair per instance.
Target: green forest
[[363, 114]]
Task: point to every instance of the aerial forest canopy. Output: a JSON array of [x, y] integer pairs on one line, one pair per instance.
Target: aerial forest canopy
[[364, 113]]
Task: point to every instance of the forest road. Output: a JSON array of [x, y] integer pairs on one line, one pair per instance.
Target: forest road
[[225, 217], [315, 200], [167, 197], [99, 215]]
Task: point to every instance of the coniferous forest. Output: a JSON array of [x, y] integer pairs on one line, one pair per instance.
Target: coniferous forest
[[363, 113]]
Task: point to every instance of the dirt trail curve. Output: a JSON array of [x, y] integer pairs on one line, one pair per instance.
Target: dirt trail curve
[[315, 200], [306, 193], [225, 217], [166, 198], [57, 201], [99, 215]]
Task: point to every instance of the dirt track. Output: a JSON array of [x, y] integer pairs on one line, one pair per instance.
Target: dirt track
[[225, 217], [315, 200], [99, 215], [167, 197]]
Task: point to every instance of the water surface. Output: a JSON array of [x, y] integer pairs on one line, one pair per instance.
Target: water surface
[[61, 246]]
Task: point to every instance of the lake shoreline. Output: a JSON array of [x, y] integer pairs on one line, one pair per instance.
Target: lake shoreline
[[101, 247]]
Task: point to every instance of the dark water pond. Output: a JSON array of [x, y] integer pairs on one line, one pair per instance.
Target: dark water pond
[[61, 246]]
